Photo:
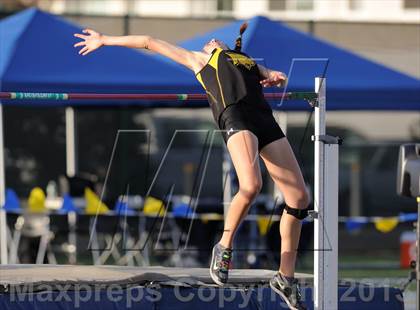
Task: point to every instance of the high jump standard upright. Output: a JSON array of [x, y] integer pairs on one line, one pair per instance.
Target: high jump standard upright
[[325, 207]]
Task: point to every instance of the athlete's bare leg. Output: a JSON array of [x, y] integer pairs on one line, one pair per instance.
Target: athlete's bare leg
[[243, 149], [284, 169]]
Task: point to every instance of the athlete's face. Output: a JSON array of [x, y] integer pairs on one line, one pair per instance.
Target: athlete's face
[[212, 44]]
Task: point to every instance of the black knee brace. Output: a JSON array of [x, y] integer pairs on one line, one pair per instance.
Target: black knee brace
[[297, 213]]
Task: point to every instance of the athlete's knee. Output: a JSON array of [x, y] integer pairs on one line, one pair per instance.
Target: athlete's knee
[[303, 199], [250, 189], [297, 205], [299, 200]]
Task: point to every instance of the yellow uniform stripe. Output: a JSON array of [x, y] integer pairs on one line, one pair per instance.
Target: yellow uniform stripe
[[214, 58], [214, 63], [199, 78]]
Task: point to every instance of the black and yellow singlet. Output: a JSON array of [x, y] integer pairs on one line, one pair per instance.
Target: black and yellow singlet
[[230, 77]]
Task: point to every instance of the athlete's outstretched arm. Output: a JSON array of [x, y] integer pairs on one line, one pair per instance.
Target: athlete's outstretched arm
[[272, 77], [93, 40]]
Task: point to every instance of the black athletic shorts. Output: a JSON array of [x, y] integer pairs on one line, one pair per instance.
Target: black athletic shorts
[[244, 116]]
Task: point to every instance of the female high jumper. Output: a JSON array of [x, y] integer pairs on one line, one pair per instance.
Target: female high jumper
[[234, 86]]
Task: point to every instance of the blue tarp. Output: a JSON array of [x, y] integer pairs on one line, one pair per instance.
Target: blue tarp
[[37, 55], [353, 82]]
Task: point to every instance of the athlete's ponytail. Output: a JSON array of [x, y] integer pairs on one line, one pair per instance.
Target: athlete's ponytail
[[238, 42]]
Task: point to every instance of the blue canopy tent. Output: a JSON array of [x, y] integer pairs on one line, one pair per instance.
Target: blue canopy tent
[[353, 82], [37, 55]]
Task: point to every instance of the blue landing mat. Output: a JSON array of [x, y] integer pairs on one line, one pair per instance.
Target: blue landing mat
[[115, 297]]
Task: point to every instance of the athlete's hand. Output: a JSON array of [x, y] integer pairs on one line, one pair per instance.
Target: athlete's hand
[[91, 41], [274, 78]]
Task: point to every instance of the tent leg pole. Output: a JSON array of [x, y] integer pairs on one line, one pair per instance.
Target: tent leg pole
[[71, 146], [3, 223]]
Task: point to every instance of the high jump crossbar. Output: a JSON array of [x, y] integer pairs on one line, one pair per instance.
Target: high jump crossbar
[[309, 96]]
